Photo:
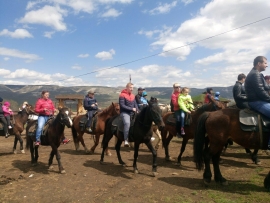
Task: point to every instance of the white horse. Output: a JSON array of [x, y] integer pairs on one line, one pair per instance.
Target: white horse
[[164, 109]]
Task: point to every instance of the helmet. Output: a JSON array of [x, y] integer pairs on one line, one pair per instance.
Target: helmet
[[217, 94]]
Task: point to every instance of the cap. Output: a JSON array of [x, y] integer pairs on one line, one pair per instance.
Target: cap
[[1, 99], [6, 103], [91, 92], [141, 88], [144, 94], [25, 103], [217, 93]]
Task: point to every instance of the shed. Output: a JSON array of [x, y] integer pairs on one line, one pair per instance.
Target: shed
[[73, 97]]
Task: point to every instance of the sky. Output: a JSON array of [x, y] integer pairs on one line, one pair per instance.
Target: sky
[[158, 43]]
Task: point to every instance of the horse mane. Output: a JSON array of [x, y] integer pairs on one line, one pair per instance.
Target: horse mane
[[105, 111], [142, 112]]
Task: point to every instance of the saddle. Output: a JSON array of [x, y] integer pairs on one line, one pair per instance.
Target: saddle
[[171, 120], [83, 121]]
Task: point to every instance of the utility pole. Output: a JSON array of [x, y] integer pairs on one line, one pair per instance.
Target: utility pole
[[130, 78]]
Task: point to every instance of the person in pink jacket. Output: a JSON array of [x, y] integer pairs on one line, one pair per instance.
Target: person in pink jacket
[[176, 109], [45, 108], [7, 113]]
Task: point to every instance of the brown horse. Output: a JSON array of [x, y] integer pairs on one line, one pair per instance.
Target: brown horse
[[19, 121], [112, 110], [220, 126], [189, 130]]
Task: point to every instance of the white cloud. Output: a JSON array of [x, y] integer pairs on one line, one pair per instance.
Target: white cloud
[[51, 16], [162, 8], [4, 72], [18, 33], [83, 55], [19, 54], [48, 34], [186, 2], [150, 33], [6, 58], [76, 67], [111, 13], [105, 55], [115, 1]]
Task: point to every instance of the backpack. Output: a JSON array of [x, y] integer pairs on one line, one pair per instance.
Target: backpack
[[171, 104]]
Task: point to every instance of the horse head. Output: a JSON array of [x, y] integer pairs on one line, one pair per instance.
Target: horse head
[[116, 108], [156, 114], [29, 109], [64, 117]]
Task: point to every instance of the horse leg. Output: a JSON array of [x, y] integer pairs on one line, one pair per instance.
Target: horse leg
[[117, 148], [166, 142], [15, 144], [80, 137], [32, 153], [21, 144], [207, 175], [96, 144], [183, 147], [51, 160], [36, 154], [255, 158], [266, 182], [217, 174], [136, 152], [105, 145], [58, 158], [159, 139], [154, 153]]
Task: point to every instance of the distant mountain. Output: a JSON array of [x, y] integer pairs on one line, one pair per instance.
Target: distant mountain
[[17, 94]]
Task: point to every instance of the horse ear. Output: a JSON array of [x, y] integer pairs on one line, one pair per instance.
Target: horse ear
[[112, 104], [59, 108]]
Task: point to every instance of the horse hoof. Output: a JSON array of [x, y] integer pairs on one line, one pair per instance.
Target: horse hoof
[[23, 152], [258, 163], [109, 154], [50, 167], [177, 164], [63, 172], [155, 174], [225, 183], [34, 164], [102, 162], [169, 158], [206, 182], [123, 164], [136, 171]]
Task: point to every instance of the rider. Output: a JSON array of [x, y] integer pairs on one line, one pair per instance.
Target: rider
[[209, 92], [91, 106], [177, 112], [257, 90], [186, 106], [7, 113], [217, 94], [3, 119], [44, 108], [128, 106], [239, 93], [143, 99], [139, 96]]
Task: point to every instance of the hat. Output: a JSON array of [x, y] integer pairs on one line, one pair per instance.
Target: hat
[[144, 94], [1, 99], [91, 92], [25, 103], [141, 88], [217, 94]]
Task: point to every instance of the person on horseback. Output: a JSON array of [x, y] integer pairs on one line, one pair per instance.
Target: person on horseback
[[209, 92], [139, 96], [7, 113], [144, 100], [175, 105], [23, 105], [217, 94], [257, 89], [91, 106], [45, 108], [128, 106], [239, 93], [3, 119], [186, 106]]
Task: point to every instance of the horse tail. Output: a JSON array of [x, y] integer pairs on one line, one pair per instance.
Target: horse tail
[[199, 141], [105, 131]]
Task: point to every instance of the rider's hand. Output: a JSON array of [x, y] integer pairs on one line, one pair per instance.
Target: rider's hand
[[45, 109], [93, 105], [188, 112], [134, 109], [96, 103]]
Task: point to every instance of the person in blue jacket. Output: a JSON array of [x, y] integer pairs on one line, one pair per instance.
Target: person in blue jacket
[[91, 106]]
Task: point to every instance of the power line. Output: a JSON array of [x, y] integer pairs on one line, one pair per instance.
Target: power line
[[140, 59]]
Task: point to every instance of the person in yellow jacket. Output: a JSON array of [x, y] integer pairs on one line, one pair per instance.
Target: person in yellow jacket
[[186, 106]]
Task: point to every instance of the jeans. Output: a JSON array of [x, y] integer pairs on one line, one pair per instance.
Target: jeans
[[178, 121], [263, 108], [4, 122], [90, 116], [8, 119], [126, 120], [183, 115], [41, 122]]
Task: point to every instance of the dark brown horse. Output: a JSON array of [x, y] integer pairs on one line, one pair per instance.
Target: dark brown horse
[[140, 132], [112, 110], [189, 130], [53, 137], [220, 126], [19, 121]]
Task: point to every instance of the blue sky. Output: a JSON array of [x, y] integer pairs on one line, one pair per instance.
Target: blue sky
[[51, 41]]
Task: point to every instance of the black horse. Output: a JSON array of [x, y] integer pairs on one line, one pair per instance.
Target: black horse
[[53, 137], [19, 121], [140, 132]]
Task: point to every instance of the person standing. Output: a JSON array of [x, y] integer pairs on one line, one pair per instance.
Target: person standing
[[128, 106], [176, 109], [3, 119], [91, 106], [239, 93], [45, 109], [257, 89]]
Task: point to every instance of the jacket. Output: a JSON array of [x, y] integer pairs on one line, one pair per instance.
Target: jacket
[[207, 98], [256, 87], [7, 111], [127, 102], [174, 99], [88, 102], [185, 102], [239, 93], [138, 99], [43, 104]]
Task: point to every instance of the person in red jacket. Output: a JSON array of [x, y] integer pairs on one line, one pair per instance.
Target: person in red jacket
[[176, 109], [45, 109]]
